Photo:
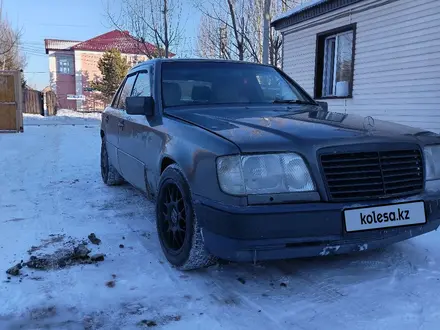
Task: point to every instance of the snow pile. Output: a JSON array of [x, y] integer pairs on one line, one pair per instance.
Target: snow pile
[[299, 8], [78, 114], [63, 117], [32, 115]]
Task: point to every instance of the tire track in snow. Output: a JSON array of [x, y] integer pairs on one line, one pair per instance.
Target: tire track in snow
[[154, 253], [190, 289], [225, 289], [204, 283], [262, 291], [221, 288], [321, 292]]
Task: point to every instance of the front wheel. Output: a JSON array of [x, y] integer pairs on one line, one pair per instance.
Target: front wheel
[[109, 174], [179, 233]]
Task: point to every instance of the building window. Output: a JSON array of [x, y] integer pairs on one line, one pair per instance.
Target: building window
[[65, 64], [335, 63]]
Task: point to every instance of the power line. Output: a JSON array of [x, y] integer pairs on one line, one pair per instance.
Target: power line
[[65, 25], [35, 54], [32, 42], [37, 51], [31, 52], [31, 46]]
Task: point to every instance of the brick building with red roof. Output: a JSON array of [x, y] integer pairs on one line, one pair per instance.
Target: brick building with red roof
[[74, 64]]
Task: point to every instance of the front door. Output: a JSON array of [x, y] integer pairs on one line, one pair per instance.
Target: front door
[[136, 136], [111, 119], [131, 168]]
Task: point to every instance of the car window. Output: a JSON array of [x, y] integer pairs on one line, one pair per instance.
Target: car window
[[117, 95], [126, 91], [189, 83], [275, 87], [142, 87]]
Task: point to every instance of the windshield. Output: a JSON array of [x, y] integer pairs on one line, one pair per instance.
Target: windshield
[[193, 83]]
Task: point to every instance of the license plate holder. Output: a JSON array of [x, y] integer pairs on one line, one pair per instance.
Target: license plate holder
[[384, 216]]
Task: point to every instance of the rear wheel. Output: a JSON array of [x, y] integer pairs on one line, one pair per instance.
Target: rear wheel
[[109, 174], [179, 234]]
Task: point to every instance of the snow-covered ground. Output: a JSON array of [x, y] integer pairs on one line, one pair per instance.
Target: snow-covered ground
[[51, 195], [63, 117]]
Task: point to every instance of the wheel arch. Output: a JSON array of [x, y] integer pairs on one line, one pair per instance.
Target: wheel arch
[[165, 162], [182, 160]]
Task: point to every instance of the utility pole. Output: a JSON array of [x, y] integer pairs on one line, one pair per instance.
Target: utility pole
[[266, 31], [223, 39], [220, 45]]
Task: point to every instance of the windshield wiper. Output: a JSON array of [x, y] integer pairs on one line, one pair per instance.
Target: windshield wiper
[[279, 101]]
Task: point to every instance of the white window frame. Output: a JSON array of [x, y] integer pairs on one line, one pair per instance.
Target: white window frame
[[336, 37], [70, 66]]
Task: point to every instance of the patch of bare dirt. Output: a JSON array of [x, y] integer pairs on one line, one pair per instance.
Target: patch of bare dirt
[[149, 323], [47, 242], [72, 252], [64, 258]]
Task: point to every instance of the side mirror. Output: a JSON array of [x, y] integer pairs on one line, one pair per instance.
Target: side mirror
[[140, 105], [323, 105]]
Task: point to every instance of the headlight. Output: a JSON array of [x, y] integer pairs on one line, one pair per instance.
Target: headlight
[[263, 174], [432, 162]]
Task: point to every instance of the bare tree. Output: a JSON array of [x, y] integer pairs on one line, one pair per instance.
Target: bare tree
[[275, 38], [157, 22], [213, 39], [255, 36], [266, 31], [10, 56], [223, 28], [243, 21]]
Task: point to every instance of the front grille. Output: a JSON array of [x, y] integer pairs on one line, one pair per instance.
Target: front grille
[[377, 174]]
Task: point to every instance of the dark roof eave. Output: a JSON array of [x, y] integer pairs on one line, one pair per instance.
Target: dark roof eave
[[58, 50], [62, 40], [86, 49], [312, 12]]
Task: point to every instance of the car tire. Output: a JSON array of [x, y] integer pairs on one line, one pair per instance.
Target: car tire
[[109, 174], [183, 244]]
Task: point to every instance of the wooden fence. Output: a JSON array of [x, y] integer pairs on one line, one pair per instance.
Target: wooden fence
[[11, 111], [50, 99], [33, 102]]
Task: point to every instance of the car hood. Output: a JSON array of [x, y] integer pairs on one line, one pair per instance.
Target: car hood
[[278, 128]]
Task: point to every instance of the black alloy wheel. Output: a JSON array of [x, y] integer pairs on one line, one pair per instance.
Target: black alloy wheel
[[104, 163], [180, 235], [173, 222], [109, 174]]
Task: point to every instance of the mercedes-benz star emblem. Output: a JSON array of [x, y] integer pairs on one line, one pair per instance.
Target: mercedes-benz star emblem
[[369, 124]]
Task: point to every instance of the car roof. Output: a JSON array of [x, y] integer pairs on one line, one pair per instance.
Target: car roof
[[183, 60]]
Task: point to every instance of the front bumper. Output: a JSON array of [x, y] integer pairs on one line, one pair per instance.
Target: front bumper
[[267, 232]]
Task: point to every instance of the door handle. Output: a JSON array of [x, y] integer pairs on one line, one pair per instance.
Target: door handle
[[121, 124]]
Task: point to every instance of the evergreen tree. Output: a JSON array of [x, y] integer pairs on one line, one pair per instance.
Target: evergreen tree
[[113, 69]]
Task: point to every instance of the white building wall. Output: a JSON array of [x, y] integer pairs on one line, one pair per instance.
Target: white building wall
[[397, 59], [53, 71], [78, 78]]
